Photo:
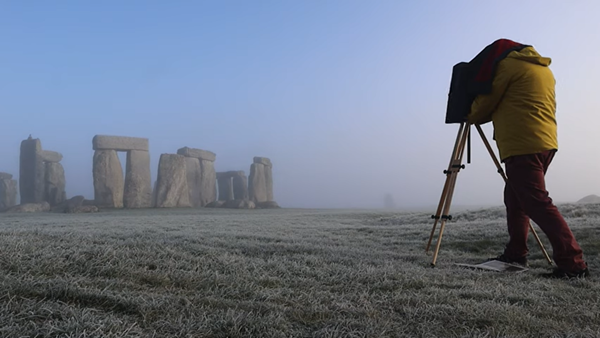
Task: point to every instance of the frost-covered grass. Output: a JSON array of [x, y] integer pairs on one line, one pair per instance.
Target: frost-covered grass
[[282, 273]]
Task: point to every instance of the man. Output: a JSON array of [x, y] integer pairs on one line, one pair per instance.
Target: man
[[515, 91]]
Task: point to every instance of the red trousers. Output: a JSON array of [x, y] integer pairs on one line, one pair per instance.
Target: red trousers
[[526, 197]]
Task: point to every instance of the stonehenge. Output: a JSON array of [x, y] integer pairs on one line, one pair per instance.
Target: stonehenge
[[8, 191], [111, 190], [41, 176], [185, 179], [233, 185], [201, 175], [172, 189]]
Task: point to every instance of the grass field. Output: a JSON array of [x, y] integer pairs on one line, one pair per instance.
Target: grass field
[[282, 273]]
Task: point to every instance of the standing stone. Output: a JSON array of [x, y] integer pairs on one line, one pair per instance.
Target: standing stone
[[55, 183], [269, 182], [208, 182], [194, 180], [138, 183], [31, 172], [240, 186], [5, 176], [225, 186], [172, 188], [257, 186], [108, 179], [8, 193]]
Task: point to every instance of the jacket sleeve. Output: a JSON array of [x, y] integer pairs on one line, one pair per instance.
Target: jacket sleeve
[[484, 106]]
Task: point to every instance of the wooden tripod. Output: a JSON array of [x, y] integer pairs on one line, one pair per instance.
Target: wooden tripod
[[451, 174]]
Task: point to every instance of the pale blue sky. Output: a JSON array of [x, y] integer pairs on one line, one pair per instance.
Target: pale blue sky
[[347, 98]]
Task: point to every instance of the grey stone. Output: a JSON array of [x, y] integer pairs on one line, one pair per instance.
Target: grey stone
[[230, 174], [108, 179], [75, 201], [70, 204], [51, 156], [239, 204], [138, 182], [31, 207], [194, 180], [55, 183], [8, 193], [225, 187], [89, 202], [269, 182], [172, 189], [240, 187], [31, 172], [208, 182], [257, 186], [215, 204], [263, 160], [267, 205], [120, 143], [82, 209], [197, 153], [5, 176]]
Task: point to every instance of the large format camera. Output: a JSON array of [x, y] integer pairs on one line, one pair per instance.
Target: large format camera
[[459, 97]]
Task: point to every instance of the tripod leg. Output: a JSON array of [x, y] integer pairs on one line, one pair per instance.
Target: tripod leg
[[455, 153], [456, 165], [503, 174]]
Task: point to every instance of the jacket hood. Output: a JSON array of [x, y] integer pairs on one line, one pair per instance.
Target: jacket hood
[[529, 54]]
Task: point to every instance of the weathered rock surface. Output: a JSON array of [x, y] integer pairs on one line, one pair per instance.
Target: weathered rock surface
[[108, 179], [197, 153], [263, 161], [70, 204], [215, 204], [75, 201], [269, 182], [51, 156], [208, 182], [82, 209], [8, 193], [172, 188], [240, 187], [55, 183], [225, 187], [267, 205], [257, 185], [31, 207], [239, 204], [120, 143], [138, 182], [194, 180], [31, 172], [5, 176]]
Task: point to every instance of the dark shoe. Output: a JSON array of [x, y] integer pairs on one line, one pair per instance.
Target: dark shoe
[[503, 258], [560, 273]]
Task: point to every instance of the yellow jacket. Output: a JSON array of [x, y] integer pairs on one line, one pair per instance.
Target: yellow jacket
[[521, 105]]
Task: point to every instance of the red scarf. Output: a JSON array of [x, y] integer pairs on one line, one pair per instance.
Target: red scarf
[[485, 64]]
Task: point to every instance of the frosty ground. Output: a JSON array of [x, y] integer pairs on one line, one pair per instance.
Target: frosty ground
[[282, 273]]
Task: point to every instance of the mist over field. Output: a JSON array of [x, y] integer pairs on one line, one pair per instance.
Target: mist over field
[[347, 98]]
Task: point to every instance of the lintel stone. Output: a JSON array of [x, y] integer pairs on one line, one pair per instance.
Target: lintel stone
[[119, 143]]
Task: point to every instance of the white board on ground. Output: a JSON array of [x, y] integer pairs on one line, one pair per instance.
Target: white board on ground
[[495, 266]]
